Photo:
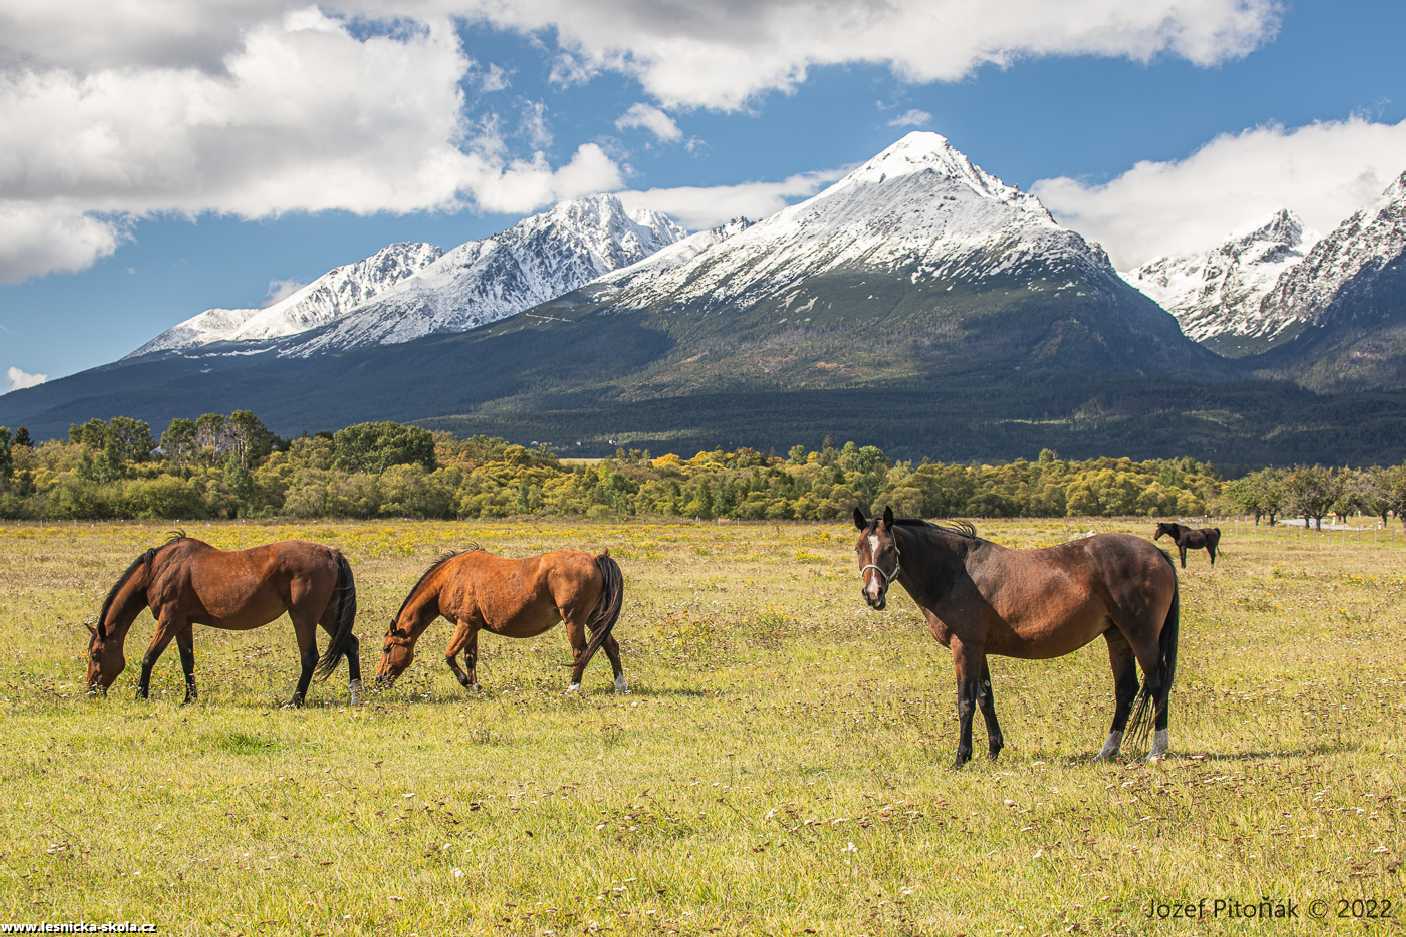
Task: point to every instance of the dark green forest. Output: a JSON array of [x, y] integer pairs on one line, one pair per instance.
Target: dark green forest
[[233, 466]]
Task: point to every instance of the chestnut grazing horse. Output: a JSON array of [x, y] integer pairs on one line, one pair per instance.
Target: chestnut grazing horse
[[185, 582], [1189, 538], [981, 599], [516, 598]]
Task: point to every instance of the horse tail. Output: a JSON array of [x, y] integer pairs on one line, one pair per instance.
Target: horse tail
[[1140, 725], [606, 612], [345, 593]]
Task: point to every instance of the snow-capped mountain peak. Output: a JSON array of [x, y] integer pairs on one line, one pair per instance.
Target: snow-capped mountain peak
[[920, 208], [331, 295], [1364, 243], [539, 258], [1217, 295], [404, 291], [924, 151]]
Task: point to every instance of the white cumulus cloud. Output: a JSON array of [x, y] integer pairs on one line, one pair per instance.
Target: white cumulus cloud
[[280, 290], [705, 206], [40, 239], [1323, 171], [302, 114], [722, 54], [16, 379], [648, 117], [912, 117]]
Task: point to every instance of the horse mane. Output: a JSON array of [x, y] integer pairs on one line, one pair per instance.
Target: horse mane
[[143, 560], [473, 547], [960, 528]]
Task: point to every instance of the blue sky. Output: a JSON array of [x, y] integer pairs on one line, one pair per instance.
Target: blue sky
[[1307, 109]]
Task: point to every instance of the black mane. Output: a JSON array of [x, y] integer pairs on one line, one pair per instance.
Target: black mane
[[443, 558], [960, 528], [143, 560]]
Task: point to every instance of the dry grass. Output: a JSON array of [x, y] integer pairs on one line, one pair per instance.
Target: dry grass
[[782, 764]]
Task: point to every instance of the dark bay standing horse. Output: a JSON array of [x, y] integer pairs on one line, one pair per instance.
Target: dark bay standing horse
[[186, 582], [1189, 538], [516, 598], [982, 599]]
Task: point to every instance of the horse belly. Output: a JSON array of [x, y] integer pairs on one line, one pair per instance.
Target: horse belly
[[233, 602], [520, 619], [1046, 630]]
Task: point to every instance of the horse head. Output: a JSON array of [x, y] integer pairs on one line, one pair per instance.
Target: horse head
[[877, 553]]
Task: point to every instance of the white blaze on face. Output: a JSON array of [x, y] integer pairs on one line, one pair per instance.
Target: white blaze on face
[[873, 584]]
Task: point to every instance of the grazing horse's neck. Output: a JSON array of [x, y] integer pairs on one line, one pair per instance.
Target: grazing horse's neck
[[127, 601]]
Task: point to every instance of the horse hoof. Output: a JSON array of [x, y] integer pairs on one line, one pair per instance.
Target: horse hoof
[[1159, 746], [574, 688], [354, 693], [621, 686]]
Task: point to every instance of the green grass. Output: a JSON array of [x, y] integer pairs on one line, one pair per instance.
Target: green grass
[[781, 766]]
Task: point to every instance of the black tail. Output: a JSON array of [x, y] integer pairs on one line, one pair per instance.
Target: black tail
[[346, 617], [1140, 726], [602, 620]]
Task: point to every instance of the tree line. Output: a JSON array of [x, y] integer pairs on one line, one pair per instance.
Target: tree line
[[233, 466]]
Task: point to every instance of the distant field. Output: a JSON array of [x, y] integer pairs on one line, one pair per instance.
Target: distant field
[[781, 767]]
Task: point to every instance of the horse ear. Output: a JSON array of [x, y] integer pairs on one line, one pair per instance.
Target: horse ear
[[888, 517], [860, 522], [91, 630]]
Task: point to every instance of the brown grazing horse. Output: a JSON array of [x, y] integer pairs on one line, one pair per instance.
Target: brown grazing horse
[[185, 582], [517, 598], [1189, 538], [981, 599]]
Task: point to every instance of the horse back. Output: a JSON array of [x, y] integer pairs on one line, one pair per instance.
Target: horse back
[[520, 597], [245, 588]]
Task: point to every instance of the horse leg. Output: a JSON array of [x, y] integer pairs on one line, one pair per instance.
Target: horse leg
[[576, 635], [464, 638], [995, 740], [1182, 548], [970, 663], [328, 621], [1125, 687], [186, 645], [612, 651], [1211, 549], [166, 628], [1155, 691], [306, 630]]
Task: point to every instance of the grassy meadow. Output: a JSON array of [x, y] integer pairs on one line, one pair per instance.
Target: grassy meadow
[[782, 765]]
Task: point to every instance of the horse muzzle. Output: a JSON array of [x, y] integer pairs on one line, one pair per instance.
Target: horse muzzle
[[877, 604]]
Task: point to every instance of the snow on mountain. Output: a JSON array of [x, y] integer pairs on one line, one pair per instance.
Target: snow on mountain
[[1364, 244], [920, 208], [331, 295], [675, 255], [538, 259], [1216, 295]]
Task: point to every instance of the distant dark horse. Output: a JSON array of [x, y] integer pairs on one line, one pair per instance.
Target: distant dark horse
[[980, 598], [185, 582], [1189, 538]]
